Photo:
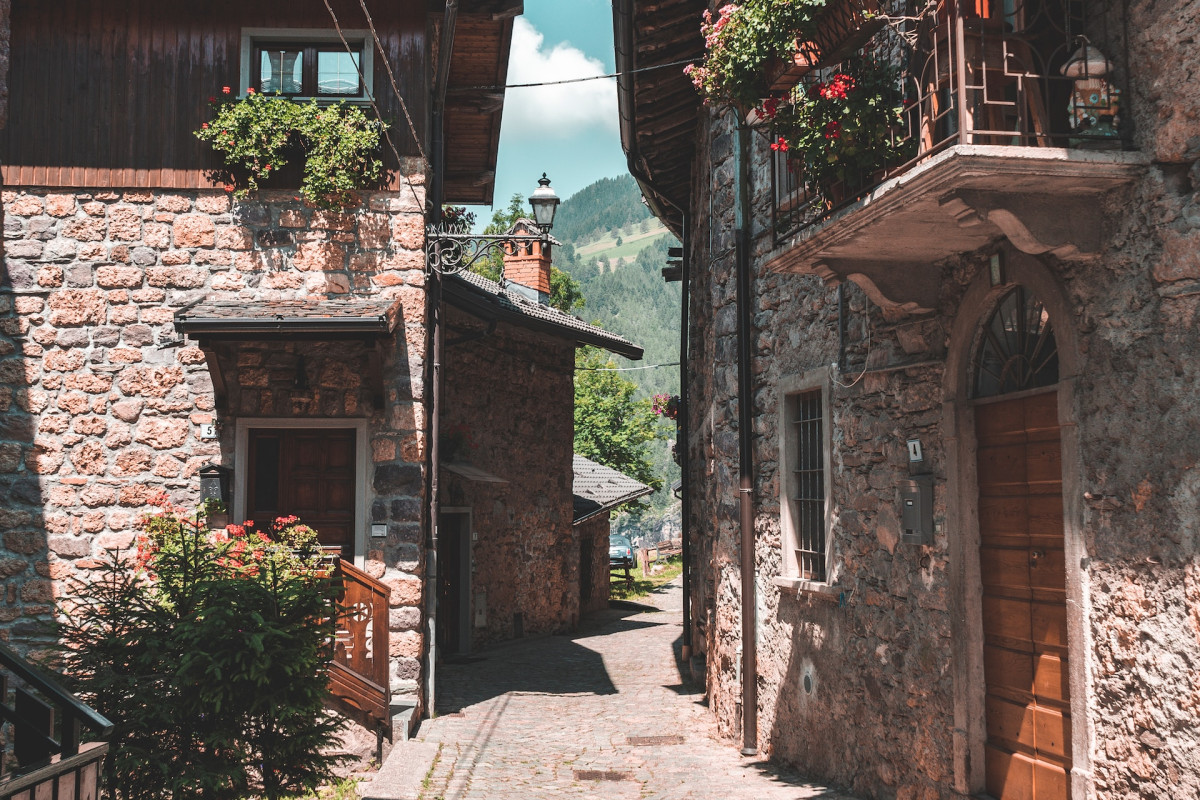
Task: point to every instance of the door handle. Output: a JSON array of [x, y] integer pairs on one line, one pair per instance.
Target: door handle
[[1035, 556]]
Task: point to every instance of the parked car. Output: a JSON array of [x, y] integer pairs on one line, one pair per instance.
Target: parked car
[[621, 553]]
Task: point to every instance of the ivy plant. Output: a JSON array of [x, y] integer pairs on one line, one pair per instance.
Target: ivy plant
[[258, 134]]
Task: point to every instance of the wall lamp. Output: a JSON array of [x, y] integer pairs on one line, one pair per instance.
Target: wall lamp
[[449, 249]]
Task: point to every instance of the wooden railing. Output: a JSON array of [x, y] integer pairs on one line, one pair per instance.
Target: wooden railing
[[47, 724], [359, 677]]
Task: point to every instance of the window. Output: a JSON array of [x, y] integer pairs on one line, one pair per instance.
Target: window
[[307, 63], [805, 485]]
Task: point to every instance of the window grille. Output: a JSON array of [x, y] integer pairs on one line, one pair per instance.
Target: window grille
[[809, 485]]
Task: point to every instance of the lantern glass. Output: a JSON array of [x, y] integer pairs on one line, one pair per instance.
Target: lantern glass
[[545, 203]]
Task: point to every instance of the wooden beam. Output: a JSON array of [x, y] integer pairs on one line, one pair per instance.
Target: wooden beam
[[220, 388]]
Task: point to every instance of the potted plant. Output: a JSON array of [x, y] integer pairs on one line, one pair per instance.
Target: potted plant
[[258, 135], [743, 40], [843, 129]]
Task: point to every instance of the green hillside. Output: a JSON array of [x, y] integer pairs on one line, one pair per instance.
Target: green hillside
[[625, 293]]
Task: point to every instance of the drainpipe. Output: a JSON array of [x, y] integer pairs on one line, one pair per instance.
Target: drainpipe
[[746, 446], [434, 373], [657, 201]]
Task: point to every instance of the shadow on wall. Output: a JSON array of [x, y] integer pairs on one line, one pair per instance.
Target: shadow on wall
[[25, 566]]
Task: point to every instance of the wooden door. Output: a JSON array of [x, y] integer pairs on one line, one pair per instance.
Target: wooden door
[[454, 583], [1024, 598], [306, 472]]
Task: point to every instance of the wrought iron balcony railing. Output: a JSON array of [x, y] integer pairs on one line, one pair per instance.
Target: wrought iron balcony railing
[[1010, 73]]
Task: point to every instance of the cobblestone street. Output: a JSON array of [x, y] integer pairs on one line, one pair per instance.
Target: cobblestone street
[[601, 713]]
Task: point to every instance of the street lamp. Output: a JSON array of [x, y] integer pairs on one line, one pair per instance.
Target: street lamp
[[449, 250]]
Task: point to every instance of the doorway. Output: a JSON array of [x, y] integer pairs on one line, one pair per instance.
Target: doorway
[[454, 582], [309, 473]]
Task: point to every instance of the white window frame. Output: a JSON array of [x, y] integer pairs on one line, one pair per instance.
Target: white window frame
[[362, 505], [316, 35], [790, 388]]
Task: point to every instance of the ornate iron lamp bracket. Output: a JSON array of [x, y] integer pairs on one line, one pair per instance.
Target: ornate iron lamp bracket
[[449, 252]]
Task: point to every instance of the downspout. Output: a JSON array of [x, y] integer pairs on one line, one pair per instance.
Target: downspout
[[746, 446], [623, 46], [434, 295]]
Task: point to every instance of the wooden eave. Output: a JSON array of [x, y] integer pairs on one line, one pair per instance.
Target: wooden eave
[[660, 108], [475, 98]]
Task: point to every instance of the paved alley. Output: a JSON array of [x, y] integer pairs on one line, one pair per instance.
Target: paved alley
[[602, 713]]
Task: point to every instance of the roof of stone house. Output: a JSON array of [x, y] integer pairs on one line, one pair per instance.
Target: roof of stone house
[[328, 318], [489, 300], [598, 488]]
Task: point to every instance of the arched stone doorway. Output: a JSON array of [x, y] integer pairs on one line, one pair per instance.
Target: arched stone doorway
[[1017, 546]]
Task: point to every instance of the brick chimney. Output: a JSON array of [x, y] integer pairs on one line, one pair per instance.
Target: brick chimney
[[527, 265]]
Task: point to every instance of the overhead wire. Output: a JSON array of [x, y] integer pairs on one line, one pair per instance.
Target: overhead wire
[[375, 106]]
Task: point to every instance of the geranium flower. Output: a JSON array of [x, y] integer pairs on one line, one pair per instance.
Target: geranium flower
[[780, 145], [225, 90]]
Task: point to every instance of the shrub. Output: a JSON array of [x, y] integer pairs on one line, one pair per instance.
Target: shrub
[[257, 135], [210, 653]]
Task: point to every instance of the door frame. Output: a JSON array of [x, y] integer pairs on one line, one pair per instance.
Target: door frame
[[466, 574], [241, 440], [962, 518]]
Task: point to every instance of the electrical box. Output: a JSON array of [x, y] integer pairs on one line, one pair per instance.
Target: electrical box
[[916, 510]]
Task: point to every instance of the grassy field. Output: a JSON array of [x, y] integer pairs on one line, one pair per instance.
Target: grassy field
[[643, 584], [608, 250]]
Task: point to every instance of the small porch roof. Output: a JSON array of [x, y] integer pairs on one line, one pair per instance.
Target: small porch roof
[[274, 319]]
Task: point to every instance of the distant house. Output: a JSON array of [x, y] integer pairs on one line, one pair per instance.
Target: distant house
[[511, 560], [598, 491]]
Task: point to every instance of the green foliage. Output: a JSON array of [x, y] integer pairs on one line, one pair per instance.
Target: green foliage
[[845, 128], [612, 427], [740, 42], [211, 655], [257, 135]]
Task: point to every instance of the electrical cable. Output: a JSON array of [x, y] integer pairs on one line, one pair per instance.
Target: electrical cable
[[626, 369], [375, 106], [581, 80]]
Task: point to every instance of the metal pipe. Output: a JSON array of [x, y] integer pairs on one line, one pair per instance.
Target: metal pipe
[[746, 446]]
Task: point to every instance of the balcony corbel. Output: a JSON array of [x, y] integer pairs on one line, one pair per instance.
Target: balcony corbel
[[1063, 225]]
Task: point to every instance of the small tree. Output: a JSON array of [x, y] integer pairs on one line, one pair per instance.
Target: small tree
[[210, 654], [612, 427]]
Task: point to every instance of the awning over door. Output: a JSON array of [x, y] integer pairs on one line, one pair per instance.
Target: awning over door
[[214, 322]]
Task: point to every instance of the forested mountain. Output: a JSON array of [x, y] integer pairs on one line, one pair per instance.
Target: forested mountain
[[627, 295], [602, 207]]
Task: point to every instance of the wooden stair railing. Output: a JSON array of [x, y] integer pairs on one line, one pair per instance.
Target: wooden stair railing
[[359, 674], [47, 766]]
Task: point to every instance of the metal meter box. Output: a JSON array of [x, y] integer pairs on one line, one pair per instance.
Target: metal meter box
[[916, 510]]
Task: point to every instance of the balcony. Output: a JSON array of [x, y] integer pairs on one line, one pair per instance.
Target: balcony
[[1011, 126]]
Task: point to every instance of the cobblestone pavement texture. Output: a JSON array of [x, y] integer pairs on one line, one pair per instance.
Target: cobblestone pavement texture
[[603, 713]]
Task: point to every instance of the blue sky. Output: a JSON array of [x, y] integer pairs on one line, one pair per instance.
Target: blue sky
[[569, 132]]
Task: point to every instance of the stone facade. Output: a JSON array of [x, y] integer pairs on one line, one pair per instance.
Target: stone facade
[[101, 400], [873, 682], [593, 533], [512, 391]]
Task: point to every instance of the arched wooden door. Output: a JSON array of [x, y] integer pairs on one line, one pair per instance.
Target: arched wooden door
[[1021, 555]]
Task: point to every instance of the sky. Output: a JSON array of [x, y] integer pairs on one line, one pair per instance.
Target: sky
[[570, 131]]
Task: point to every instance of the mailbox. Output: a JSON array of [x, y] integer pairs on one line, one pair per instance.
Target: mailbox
[[214, 483], [916, 510]]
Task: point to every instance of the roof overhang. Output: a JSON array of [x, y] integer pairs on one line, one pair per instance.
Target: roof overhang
[[489, 307], [659, 108]]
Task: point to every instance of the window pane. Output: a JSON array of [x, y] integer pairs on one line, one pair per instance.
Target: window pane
[[337, 73], [282, 72]]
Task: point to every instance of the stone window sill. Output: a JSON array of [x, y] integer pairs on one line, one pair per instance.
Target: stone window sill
[[819, 591]]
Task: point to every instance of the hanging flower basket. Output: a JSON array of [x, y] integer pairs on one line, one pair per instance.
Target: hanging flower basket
[[840, 29]]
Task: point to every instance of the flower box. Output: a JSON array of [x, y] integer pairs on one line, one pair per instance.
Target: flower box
[[841, 29]]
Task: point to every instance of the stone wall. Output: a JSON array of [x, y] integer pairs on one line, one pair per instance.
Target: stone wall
[[512, 391], [595, 532], [101, 399], [883, 712]]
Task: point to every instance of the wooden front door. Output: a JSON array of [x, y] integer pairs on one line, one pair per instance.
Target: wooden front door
[[308, 473], [1024, 598]]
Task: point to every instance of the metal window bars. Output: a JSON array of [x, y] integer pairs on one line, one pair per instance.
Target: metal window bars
[[808, 479]]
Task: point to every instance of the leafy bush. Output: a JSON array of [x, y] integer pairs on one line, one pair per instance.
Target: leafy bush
[[257, 134], [742, 40], [210, 653]]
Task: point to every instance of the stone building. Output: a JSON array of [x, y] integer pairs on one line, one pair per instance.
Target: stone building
[[598, 490], [999, 330], [512, 562], [150, 323]]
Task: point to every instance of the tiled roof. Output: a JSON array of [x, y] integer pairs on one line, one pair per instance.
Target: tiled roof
[[341, 317], [477, 294], [598, 488]]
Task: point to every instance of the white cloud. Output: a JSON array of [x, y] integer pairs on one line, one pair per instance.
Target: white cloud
[[555, 111]]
